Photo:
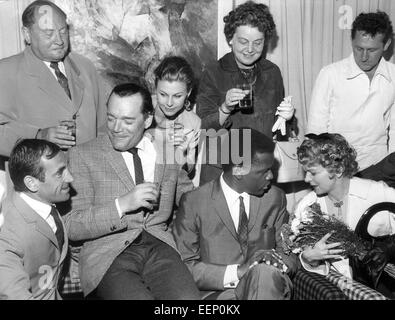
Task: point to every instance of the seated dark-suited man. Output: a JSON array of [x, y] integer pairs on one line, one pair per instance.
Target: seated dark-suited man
[[125, 194], [33, 244], [226, 230]]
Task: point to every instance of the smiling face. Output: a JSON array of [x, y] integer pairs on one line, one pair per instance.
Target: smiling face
[[125, 121], [320, 179], [247, 45], [368, 50], [49, 35], [56, 185], [171, 96]]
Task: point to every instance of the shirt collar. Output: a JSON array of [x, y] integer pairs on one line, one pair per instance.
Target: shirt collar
[[231, 195], [41, 208], [354, 71], [358, 189]]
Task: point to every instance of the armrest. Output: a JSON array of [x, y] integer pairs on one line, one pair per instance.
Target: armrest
[[353, 289]]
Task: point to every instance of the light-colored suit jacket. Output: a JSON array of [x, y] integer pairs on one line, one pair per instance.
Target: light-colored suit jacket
[[206, 236], [31, 98], [30, 260], [100, 176]]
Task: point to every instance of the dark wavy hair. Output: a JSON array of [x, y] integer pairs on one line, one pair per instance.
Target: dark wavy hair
[[373, 23], [175, 68], [250, 14], [331, 151]]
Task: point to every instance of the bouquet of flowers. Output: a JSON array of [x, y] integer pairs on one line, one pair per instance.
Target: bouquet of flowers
[[312, 225]]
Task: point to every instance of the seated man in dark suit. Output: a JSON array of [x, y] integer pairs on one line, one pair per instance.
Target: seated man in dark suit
[[227, 229]]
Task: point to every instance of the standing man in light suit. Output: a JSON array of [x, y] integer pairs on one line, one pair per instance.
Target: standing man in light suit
[[45, 87], [33, 243], [129, 251]]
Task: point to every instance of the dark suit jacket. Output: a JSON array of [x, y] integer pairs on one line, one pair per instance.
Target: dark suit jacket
[[30, 260], [100, 176], [206, 236], [31, 98]]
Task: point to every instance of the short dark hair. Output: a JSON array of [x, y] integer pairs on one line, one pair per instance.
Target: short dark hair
[[29, 14], [251, 14], [373, 23], [25, 160], [175, 68], [234, 142], [331, 151], [132, 88]]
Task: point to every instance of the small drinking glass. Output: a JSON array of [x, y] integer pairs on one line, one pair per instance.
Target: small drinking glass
[[248, 99], [177, 129], [70, 125]]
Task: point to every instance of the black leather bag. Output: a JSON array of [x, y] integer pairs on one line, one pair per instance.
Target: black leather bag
[[382, 249]]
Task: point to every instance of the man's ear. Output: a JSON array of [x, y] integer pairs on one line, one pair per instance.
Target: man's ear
[[26, 35], [148, 121], [387, 45], [31, 183]]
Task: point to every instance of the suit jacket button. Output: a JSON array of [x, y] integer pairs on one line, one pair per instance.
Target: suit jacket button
[[127, 243]]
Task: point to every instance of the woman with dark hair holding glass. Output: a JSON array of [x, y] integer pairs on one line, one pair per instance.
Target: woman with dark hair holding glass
[[248, 29], [330, 165], [178, 124]]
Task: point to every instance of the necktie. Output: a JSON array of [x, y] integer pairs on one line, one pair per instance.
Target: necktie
[[138, 168], [61, 78], [242, 230], [59, 228]]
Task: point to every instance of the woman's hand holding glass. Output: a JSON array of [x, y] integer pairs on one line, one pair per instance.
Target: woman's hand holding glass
[[232, 98], [322, 251]]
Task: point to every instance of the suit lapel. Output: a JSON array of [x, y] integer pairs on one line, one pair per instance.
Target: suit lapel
[[46, 81], [117, 162], [221, 207], [76, 85], [254, 209], [32, 217]]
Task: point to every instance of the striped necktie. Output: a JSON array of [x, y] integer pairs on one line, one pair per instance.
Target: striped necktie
[[61, 78], [242, 230]]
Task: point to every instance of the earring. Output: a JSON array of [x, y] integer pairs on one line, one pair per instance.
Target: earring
[[187, 105]]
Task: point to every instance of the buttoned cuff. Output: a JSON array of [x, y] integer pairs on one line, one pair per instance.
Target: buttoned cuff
[[230, 278], [120, 213]]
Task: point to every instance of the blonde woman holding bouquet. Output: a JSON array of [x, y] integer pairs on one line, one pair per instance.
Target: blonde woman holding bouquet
[[330, 165]]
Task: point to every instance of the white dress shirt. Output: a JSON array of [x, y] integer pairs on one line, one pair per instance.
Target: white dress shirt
[[147, 153], [41, 208], [232, 200], [61, 68], [345, 101]]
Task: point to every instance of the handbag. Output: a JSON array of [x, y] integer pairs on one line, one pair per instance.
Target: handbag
[[288, 167]]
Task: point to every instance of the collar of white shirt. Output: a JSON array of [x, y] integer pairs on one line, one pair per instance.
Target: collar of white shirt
[[61, 68], [354, 71], [147, 153], [232, 199], [41, 208]]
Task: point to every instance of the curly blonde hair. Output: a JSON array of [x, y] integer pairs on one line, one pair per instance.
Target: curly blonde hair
[[331, 151]]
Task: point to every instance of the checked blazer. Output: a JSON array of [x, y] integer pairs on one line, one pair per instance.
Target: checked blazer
[[100, 176]]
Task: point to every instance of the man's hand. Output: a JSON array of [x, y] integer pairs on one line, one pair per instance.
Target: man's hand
[[144, 195], [269, 257], [59, 135]]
